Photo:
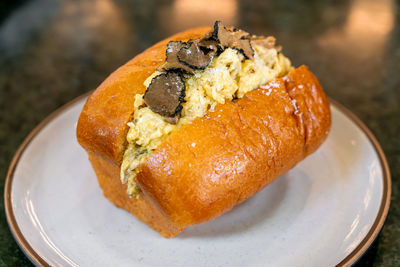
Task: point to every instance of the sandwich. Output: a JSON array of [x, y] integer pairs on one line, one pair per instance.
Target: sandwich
[[198, 123]]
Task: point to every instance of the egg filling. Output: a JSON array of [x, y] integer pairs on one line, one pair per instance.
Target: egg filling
[[229, 75]]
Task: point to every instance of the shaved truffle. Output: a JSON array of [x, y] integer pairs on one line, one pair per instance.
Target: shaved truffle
[[166, 91], [172, 62], [209, 46], [237, 39], [194, 57], [267, 42], [165, 94]]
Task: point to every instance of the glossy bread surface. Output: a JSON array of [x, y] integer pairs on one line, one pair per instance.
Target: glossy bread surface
[[207, 167]]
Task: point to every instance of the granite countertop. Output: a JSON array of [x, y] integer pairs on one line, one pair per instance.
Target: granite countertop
[[52, 51]]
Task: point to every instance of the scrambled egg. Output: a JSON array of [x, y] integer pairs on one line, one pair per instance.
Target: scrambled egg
[[228, 76]]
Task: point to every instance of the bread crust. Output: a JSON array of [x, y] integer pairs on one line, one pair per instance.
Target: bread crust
[[102, 125], [208, 166], [108, 177]]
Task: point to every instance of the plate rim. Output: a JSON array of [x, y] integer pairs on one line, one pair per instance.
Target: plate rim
[[356, 253]]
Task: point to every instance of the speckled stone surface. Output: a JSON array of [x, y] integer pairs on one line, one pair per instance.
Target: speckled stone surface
[[52, 51]]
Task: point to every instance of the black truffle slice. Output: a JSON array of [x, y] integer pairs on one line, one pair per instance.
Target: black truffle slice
[[194, 57], [267, 42], [165, 94], [209, 46], [244, 46], [237, 39], [172, 62]]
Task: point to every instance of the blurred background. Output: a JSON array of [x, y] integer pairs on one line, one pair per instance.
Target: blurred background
[[52, 51]]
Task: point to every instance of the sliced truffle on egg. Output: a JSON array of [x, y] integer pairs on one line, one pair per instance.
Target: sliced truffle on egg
[[207, 42], [209, 46], [172, 62], [165, 94], [244, 46], [267, 42], [236, 39], [194, 57]]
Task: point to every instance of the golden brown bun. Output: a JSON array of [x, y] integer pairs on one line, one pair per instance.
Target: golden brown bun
[[207, 167], [102, 126], [108, 177]]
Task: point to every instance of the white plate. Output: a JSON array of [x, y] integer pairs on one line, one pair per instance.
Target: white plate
[[324, 212]]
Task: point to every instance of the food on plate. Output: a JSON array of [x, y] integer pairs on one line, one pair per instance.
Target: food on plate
[[198, 123]]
